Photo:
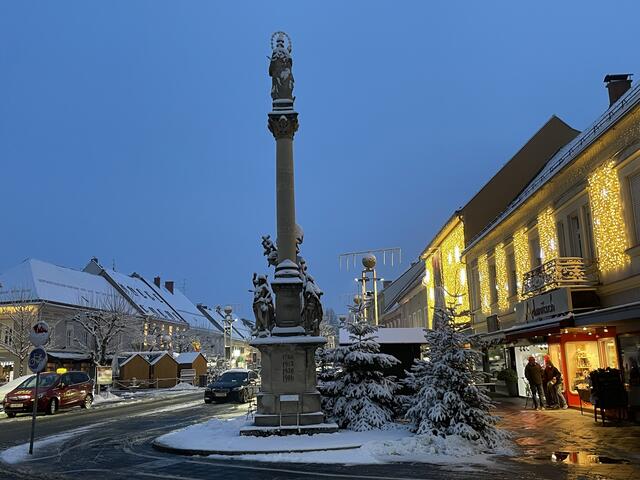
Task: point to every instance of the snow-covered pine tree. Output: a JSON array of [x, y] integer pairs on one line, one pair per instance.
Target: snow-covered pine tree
[[447, 400], [361, 396], [326, 377]]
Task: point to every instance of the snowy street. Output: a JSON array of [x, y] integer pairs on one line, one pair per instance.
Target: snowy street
[[115, 444]]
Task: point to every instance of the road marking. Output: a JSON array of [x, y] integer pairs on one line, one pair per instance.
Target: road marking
[[165, 462]]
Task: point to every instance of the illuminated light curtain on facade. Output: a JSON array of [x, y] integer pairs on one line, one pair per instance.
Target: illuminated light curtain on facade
[[608, 222], [502, 279], [454, 273], [483, 274], [548, 236], [427, 281], [521, 253]]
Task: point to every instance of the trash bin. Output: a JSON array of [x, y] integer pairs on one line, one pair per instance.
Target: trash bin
[[202, 381]]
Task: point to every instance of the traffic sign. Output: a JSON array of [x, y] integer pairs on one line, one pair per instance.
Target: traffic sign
[[37, 360], [39, 334]]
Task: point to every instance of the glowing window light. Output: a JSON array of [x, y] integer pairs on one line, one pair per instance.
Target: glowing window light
[[521, 254], [502, 282], [454, 271], [483, 276], [608, 223], [548, 236]]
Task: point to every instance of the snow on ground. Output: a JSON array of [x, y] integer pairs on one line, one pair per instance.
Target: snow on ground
[[106, 397], [20, 453], [349, 447], [183, 386]]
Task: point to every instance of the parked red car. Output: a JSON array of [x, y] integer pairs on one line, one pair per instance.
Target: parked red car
[[54, 392]]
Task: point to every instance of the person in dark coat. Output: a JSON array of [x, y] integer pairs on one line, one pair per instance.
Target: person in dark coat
[[552, 382], [533, 374]]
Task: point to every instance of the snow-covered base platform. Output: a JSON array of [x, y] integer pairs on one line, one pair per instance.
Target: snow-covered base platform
[[260, 431], [223, 437]]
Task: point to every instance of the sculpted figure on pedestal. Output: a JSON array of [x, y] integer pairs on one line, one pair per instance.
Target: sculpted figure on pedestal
[[263, 308], [270, 251], [280, 67]]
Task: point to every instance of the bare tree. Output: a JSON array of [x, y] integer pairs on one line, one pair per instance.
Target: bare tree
[[20, 317], [105, 322]]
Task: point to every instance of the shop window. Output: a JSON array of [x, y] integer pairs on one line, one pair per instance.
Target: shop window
[[582, 358], [608, 353], [630, 353], [522, 355]]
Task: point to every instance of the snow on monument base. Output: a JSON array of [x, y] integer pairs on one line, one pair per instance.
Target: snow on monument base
[[288, 395]]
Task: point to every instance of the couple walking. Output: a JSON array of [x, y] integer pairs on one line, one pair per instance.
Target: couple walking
[[545, 384]]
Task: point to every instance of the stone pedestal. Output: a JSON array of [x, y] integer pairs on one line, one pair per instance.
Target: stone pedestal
[[288, 394]]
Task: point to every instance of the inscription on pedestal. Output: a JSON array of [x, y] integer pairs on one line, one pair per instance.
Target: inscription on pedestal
[[287, 368]]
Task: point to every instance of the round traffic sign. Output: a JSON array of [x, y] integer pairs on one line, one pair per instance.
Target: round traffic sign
[[37, 360], [39, 334]]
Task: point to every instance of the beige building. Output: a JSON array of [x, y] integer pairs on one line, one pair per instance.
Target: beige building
[[403, 302]]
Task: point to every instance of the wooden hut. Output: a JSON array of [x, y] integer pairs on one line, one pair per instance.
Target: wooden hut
[[134, 370], [164, 370], [192, 361]]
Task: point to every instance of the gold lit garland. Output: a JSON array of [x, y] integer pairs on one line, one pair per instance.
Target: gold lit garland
[[521, 254], [485, 293], [608, 223], [502, 279], [454, 271], [548, 236], [427, 282]]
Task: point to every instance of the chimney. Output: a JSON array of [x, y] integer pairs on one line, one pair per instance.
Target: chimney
[[169, 286], [156, 281], [618, 84]]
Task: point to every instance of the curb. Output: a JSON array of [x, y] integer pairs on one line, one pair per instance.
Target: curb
[[203, 453]]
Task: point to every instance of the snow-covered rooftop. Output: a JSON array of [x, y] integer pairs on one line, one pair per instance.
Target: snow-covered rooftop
[[37, 280], [391, 336], [566, 155], [187, 357]]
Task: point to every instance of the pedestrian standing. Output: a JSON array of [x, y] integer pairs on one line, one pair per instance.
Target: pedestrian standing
[[533, 374], [552, 381]]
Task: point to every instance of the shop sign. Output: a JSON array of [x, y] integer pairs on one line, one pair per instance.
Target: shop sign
[[549, 304], [104, 375]]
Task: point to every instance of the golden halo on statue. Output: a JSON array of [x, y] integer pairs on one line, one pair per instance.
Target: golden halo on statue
[[276, 36]]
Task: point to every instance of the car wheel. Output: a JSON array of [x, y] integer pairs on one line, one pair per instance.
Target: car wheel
[[53, 407], [206, 400], [11, 414], [88, 401]]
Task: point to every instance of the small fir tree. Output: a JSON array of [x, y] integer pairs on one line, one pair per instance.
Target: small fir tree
[[326, 378], [447, 400], [360, 397]]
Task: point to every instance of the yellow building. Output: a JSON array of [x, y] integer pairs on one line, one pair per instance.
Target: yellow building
[[558, 272]]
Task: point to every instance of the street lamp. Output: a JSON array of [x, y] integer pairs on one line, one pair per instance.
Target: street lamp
[[228, 333]]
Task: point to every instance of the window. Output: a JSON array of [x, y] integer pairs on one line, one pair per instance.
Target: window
[[7, 336], [69, 335], [634, 188], [141, 292], [513, 276], [474, 285], [562, 241], [534, 251], [493, 290], [586, 215], [575, 235]]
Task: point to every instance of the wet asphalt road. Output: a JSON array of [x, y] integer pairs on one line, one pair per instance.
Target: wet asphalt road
[[116, 445]]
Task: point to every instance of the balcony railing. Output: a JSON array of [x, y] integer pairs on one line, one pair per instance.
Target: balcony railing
[[559, 272]]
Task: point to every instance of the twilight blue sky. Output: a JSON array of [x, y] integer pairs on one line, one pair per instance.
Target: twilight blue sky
[[135, 131]]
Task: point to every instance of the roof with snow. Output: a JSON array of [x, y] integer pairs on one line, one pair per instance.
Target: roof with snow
[[241, 328], [188, 357], [35, 280], [184, 307], [391, 336], [566, 155]]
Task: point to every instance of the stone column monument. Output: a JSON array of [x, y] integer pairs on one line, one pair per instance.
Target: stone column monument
[[288, 401]]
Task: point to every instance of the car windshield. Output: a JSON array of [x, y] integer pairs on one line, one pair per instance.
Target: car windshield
[[45, 381], [233, 377]]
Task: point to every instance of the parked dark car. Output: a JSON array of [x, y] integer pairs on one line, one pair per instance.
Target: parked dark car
[[55, 391], [237, 384]]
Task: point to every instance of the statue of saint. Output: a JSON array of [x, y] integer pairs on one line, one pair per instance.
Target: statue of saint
[[263, 308], [312, 310], [270, 251], [280, 68]]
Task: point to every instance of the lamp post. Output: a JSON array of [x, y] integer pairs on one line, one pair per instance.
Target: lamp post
[[228, 333]]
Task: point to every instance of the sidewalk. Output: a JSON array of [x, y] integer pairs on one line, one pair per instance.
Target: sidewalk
[[566, 437]]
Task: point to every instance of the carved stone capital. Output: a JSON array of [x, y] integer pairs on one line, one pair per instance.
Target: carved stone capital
[[283, 125]]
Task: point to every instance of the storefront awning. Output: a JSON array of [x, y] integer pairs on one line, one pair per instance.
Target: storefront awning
[[609, 316], [544, 327]]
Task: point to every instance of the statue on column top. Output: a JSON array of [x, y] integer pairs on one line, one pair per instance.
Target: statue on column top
[[280, 67]]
